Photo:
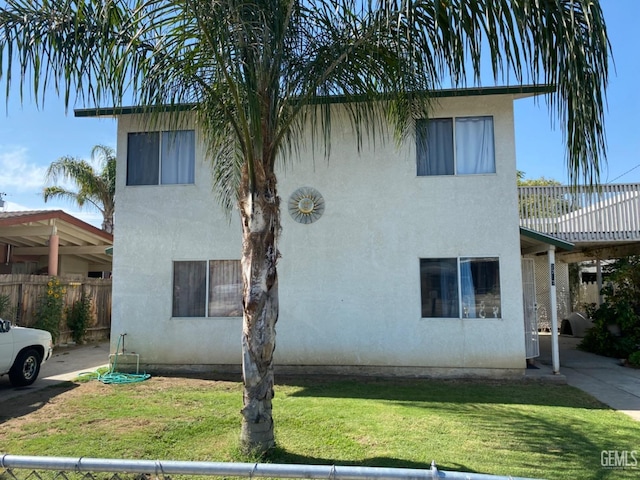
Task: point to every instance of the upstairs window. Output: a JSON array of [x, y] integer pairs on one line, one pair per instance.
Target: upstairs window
[[460, 287], [455, 146], [161, 158]]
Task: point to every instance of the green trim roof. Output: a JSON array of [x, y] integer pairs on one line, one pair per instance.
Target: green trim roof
[[117, 111], [519, 90], [547, 239]]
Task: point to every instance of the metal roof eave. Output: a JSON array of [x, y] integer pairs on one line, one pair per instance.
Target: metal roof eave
[[546, 239], [518, 91]]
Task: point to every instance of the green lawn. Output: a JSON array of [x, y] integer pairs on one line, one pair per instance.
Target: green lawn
[[519, 429]]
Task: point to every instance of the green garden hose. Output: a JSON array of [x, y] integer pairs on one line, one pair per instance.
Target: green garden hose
[[114, 377]]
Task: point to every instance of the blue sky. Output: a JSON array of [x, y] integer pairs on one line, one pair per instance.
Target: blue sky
[[31, 138]]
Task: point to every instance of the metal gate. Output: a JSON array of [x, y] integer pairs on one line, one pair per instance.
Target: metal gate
[[532, 345]]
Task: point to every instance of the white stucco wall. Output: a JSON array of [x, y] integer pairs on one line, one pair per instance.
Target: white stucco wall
[[350, 282]]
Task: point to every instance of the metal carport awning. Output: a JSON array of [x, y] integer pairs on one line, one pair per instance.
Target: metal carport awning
[[532, 242], [536, 243]]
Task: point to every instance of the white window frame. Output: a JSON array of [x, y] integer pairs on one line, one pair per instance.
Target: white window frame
[[422, 144], [207, 281], [161, 135], [461, 311]]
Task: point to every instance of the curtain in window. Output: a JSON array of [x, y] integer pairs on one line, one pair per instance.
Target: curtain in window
[[189, 289], [434, 146], [474, 145], [225, 288], [449, 287], [142, 158], [480, 285], [479, 281], [439, 288], [178, 156], [468, 289]]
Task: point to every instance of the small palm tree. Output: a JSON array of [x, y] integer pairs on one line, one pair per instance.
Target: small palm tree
[[97, 188]]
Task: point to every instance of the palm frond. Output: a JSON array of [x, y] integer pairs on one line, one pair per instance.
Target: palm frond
[[51, 193], [94, 188], [268, 68]]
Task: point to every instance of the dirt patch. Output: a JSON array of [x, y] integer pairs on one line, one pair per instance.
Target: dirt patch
[[46, 403]]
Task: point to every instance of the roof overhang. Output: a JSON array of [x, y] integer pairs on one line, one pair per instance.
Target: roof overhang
[[532, 242], [517, 91], [602, 250], [29, 233]]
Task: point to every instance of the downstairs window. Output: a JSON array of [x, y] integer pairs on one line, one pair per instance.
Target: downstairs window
[[207, 289], [466, 287]]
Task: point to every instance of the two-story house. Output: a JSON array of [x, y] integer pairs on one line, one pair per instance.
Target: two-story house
[[395, 260]]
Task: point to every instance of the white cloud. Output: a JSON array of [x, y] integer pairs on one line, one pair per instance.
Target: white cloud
[[93, 218], [15, 207], [17, 174]]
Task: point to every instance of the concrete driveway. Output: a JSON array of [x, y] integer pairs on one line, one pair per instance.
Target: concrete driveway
[[65, 364]]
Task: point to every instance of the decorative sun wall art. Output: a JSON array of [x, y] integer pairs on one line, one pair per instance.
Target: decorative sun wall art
[[306, 205]]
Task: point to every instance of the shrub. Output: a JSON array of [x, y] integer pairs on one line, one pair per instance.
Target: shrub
[[49, 308], [634, 359], [616, 323], [7, 311], [78, 317]]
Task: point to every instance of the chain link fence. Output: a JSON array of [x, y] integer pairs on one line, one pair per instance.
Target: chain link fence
[[14, 467], [18, 474]]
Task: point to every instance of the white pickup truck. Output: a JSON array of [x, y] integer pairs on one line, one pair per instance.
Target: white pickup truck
[[22, 351]]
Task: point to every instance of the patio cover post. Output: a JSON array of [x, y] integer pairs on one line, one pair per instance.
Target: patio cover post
[[54, 242], [599, 280], [555, 355]]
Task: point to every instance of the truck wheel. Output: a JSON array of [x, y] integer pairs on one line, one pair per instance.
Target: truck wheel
[[25, 369]]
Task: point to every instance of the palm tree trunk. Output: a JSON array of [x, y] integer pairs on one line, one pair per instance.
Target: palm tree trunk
[[107, 224], [260, 213]]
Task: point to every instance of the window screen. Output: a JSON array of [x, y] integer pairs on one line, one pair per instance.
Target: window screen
[[143, 151], [189, 289]]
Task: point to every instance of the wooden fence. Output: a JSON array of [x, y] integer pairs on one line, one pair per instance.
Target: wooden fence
[[24, 292]]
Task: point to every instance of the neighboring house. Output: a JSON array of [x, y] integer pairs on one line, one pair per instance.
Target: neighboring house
[[52, 242], [399, 261], [35, 245]]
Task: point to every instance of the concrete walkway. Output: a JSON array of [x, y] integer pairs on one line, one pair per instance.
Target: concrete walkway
[[601, 377]]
